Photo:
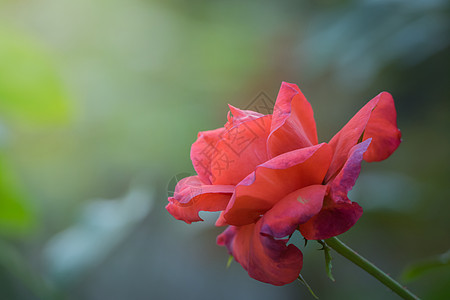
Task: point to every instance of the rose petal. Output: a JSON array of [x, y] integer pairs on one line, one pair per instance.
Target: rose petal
[[237, 116], [293, 125], [346, 178], [274, 179], [378, 117], [241, 148], [221, 220], [338, 213], [192, 196], [334, 219], [382, 129], [216, 154], [202, 152], [293, 210], [263, 257]]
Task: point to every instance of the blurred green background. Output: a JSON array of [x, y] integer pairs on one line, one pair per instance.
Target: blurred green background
[[101, 100]]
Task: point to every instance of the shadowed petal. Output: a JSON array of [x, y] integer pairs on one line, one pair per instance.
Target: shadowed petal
[[274, 179], [338, 213], [293, 210], [293, 125], [263, 257], [192, 196], [334, 219], [346, 178], [376, 120]]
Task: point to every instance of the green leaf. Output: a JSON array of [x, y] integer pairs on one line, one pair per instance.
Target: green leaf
[[230, 260], [30, 87], [302, 280], [417, 269], [328, 259]]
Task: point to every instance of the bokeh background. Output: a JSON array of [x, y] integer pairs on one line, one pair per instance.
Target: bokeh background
[[101, 100]]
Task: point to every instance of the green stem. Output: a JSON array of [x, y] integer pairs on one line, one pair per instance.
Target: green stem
[[370, 268]]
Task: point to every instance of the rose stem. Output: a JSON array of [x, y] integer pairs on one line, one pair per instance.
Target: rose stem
[[370, 268]]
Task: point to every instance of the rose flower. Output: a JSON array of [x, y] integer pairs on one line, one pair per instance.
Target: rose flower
[[269, 176]]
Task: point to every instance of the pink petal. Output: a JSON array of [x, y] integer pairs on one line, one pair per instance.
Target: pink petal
[[263, 257], [293, 210], [293, 125], [192, 196], [338, 214], [376, 120], [275, 179], [334, 219], [346, 178]]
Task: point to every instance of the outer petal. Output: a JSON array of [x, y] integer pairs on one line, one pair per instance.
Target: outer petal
[[382, 129], [273, 180], [265, 258], [241, 148], [192, 196], [338, 214], [221, 220], [334, 219], [376, 120], [293, 210], [202, 152], [293, 125]]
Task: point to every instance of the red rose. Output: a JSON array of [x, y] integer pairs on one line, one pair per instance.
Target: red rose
[[269, 177]]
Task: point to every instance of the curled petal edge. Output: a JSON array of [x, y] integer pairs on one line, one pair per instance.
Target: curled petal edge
[[192, 196]]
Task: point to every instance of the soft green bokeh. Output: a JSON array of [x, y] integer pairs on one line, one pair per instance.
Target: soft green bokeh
[[30, 89], [15, 214]]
